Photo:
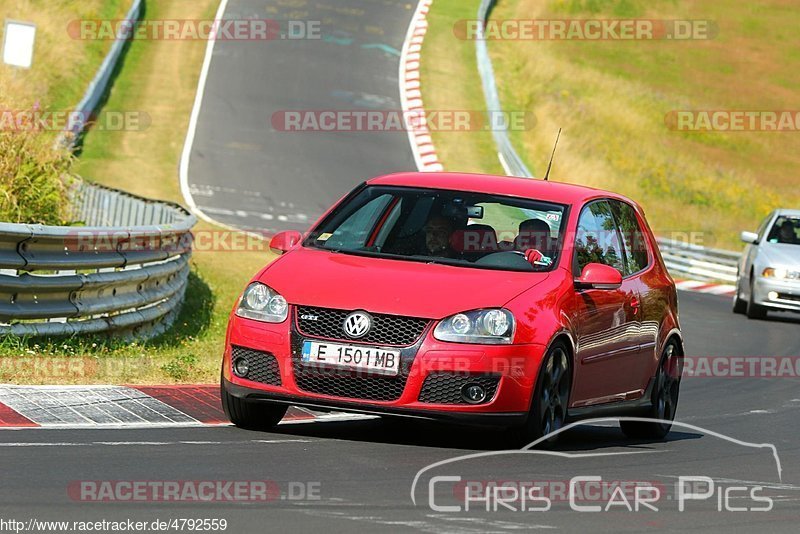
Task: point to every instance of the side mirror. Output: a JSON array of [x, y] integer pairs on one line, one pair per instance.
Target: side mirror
[[284, 241], [750, 238], [599, 276]]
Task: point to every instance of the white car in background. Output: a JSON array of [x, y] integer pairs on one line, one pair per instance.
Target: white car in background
[[769, 271]]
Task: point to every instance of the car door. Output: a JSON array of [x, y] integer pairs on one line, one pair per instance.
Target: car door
[[607, 322], [648, 291]]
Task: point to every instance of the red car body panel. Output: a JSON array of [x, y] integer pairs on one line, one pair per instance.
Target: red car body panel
[[615, 337]]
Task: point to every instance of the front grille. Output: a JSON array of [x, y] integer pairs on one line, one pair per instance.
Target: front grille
[[445, 388], [263, 365], [386, 329], [350, 384], [788, 296]]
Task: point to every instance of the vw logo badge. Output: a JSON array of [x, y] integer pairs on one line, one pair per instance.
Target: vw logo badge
[[357, 324]]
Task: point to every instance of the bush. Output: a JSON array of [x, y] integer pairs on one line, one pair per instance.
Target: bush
[[32, 173]]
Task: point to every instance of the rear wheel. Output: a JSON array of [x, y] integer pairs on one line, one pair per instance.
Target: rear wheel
[[248, 414], [664, 400], [755, 311], [551, 398]]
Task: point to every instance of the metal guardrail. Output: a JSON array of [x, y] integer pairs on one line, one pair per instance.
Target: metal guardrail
[[98, 87], [512, 163], [699, 263], [126, 271]]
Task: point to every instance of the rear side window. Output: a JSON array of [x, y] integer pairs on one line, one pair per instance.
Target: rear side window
[[633, 238], [597, 239]]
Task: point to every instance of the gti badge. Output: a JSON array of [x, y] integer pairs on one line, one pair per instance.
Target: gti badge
[[357, 324]]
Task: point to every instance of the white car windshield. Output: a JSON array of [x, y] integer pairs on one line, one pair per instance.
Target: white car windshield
[[785, 231]]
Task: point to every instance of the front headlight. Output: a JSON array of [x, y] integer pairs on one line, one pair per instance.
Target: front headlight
[[262, 303], [492, 327], [780, 273]]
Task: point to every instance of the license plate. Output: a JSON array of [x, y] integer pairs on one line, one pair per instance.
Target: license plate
[[371, 359]]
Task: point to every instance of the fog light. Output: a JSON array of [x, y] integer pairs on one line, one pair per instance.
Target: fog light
[[772, 295], [241, 367], [473, 393]]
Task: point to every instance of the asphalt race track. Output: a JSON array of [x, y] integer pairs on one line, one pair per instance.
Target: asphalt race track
[[357, 475], [361, 471], [244, 172]]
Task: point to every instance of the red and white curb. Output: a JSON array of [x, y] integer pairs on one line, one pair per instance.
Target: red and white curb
[[126, 406], [725, 290], [419, 135]]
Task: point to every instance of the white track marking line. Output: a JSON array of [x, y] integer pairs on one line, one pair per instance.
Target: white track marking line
[[192, 130], [150, 443]]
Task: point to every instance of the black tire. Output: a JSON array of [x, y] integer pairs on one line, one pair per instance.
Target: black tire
[[548, 411], [755, 311], [739, 305], [664, 400], [251, 415]]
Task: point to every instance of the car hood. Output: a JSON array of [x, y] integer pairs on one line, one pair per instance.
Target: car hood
[[779, 255], [320, 278]]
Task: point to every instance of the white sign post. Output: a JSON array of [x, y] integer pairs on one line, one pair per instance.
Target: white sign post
[[18, 41]]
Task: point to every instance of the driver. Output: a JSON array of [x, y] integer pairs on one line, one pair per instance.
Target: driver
[[438, 231], [786, 233]]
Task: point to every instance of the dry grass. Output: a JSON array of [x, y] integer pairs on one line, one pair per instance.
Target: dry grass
[[30, 169], [611, 98], [448, 65], [62, 66]]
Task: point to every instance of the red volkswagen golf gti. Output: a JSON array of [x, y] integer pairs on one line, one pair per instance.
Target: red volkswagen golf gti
[[471, 298]]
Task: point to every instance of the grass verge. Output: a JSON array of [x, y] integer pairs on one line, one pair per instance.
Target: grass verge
[[612, 99]]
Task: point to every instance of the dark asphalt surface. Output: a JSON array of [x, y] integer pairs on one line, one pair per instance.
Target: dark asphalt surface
[[247, 174], [363, 470]]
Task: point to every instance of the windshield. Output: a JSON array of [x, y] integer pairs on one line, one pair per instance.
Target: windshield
[[786, 231], [442, 226]]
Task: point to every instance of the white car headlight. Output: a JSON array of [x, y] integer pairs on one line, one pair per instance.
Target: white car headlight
[[491, 326], [262, 303]]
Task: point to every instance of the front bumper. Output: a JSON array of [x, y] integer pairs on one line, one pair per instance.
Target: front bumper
[[504, 419], [777, 294], [514, 366]]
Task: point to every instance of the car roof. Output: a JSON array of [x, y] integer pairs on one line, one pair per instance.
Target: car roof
[[788, 212], [557, 192]]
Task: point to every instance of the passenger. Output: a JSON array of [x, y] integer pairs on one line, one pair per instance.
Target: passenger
[[534, 233]]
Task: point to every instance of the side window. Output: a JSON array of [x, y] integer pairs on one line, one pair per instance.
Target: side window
[[354, 232], [633, 239], [597, 240]]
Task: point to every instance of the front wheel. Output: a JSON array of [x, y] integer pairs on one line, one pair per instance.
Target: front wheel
[[664, 400], [248, 414], [551, 397], [739, 304], [755, 311]]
